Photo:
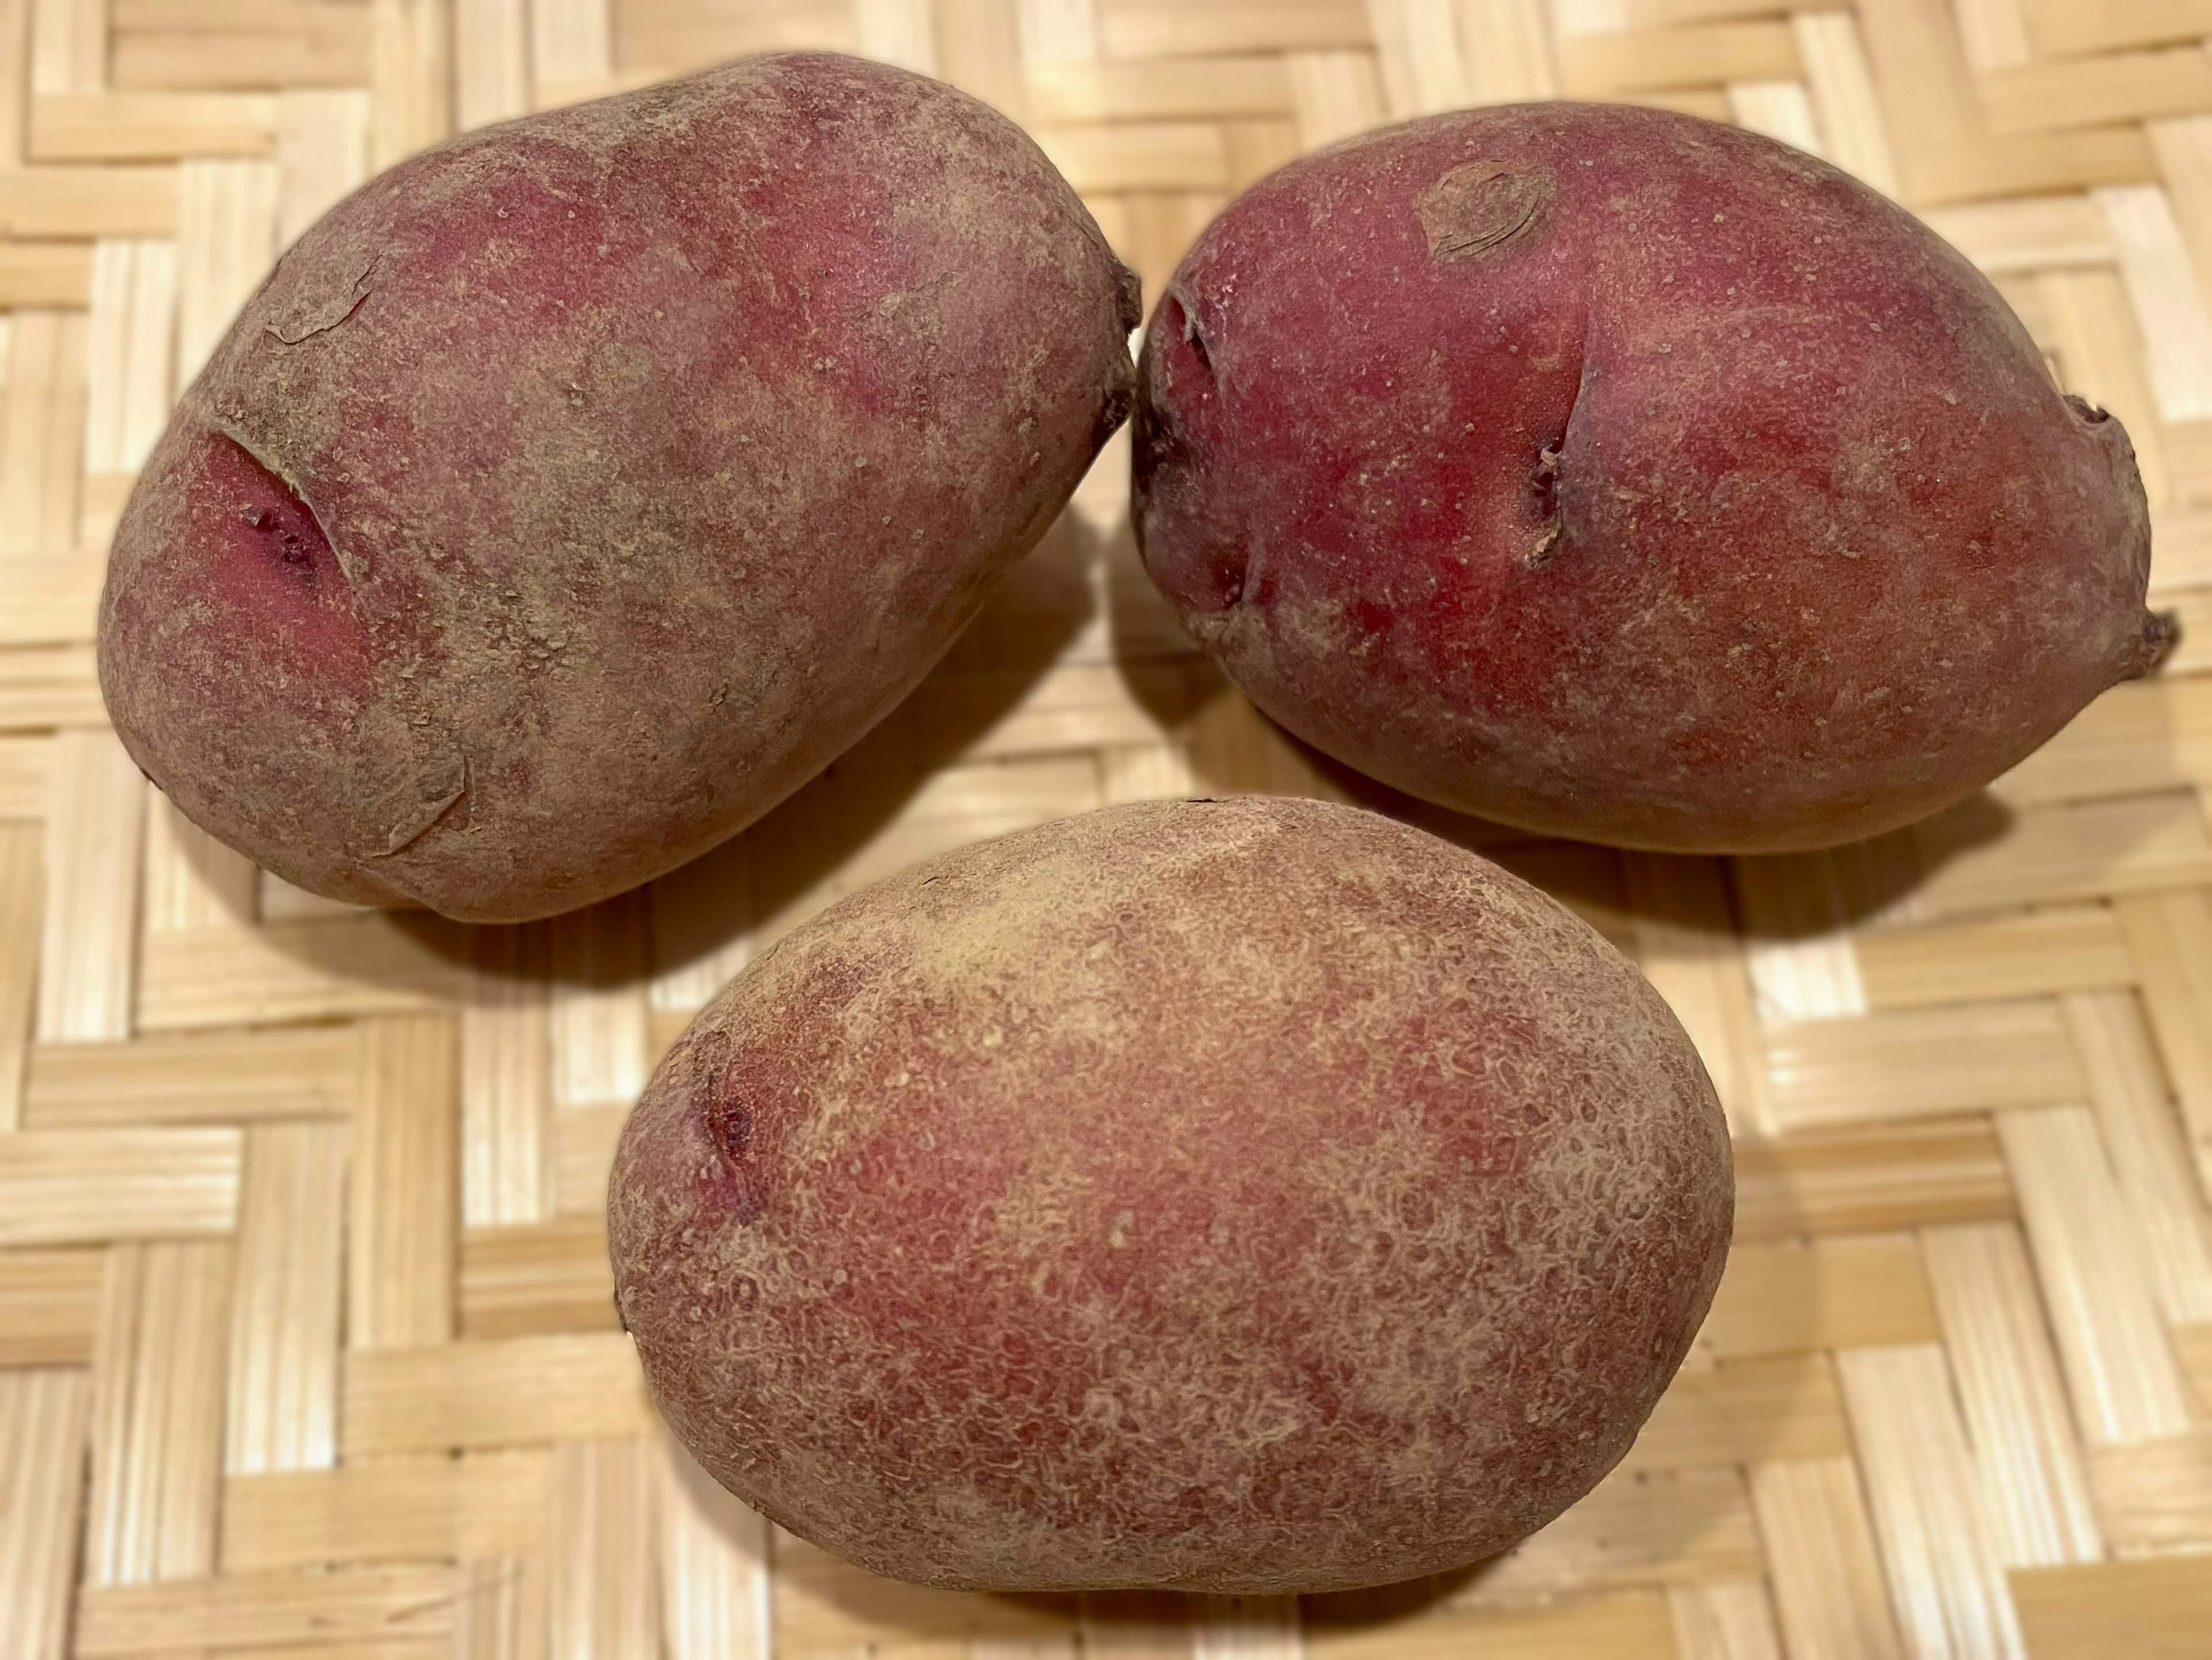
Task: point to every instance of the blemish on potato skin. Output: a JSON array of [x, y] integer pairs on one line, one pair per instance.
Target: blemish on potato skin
[[1335, 1223]]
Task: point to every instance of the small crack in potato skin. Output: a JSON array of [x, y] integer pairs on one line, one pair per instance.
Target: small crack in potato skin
[[620, 467], [1622, 476], [1253, 1195]]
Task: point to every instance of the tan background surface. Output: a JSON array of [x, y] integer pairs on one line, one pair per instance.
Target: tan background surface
[[306, 1345]]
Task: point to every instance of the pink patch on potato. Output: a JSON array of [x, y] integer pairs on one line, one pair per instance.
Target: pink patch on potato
[[1622, 475], [1250, 1195]]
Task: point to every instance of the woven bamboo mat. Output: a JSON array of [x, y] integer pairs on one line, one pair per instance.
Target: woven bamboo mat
[[306, 1343]]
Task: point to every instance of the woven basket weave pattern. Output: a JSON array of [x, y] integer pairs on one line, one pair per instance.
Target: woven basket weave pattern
[[307, 1350]]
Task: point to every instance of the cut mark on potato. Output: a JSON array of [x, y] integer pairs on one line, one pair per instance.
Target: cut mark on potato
[[305, 319], [1479, 205], [404, 813]]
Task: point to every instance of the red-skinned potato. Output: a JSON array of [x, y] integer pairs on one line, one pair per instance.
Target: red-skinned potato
[[1622, 475], [573, 491], [1252, 1195]]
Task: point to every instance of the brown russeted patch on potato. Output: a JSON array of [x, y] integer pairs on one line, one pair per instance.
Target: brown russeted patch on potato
[[574, 490], [1252, 1195], [1624, 476]]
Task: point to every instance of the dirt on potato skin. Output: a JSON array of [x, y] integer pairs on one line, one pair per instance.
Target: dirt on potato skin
[[1254, 1195], [574, 491], [1624, 476]]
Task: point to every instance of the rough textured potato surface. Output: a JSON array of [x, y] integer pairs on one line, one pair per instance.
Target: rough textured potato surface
[[1624, 476], [1247, 1195], [574, 490]]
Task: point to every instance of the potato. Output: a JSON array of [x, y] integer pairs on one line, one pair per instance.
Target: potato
[[1255, 1195], [1622, 476], [574, 491]]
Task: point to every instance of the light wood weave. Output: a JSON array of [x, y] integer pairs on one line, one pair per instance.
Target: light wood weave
[[306, 1345]]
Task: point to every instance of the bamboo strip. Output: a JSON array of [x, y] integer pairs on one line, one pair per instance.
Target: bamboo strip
[[2169, 941], [1637, 1528], [501, 1610], [2075, 852], [44, 1414], [23, 769], [44, 277], [48, 686], [583, 1151], [192, 880], [49, 1306], [52, 595], [410, 78], [1925, 1498], [1417, 49], [603, 1555], [599, 1014], [2162, 285], [1855, 1291], [1605, 66], [228, 1077], [2094, 1610], [1726, 1619], [130, 351], [1636, 1626], [491, 62], [507, 1168], [1688, 951], [1744, 1413], [365, 964], [535, 1281], [1920, 1063], [2060, 29], [2120, 1368], [2150, 1158], [404, 1190], [2141, 736], [568, 1387], [1508, 49], [1865, 1181], [93, 829], [899, 31], [157, 1422], [267, 1611], [823, 1603], [1333, 94], [716, 1600], [2156, 1495], [285, 1306], [149, 126], [2101, 358], [408, 1510], [22, 899], [1828, 1585], [700, 928], [226, 240], [322, 152], [88, 202], [2067, 948], [42, 456], [2140, 86], [2035, 1496], [2193, 1344], [1841, 84], [1163, 28], [73, 1187], [1065, 89]]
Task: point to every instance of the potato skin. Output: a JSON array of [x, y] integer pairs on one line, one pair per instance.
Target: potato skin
[[1254, 1195], [574, 490], [1624, 476]]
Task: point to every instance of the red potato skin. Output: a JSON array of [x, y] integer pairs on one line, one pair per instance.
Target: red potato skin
[[1624, 476], [574, 490], [1254, 1195]]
